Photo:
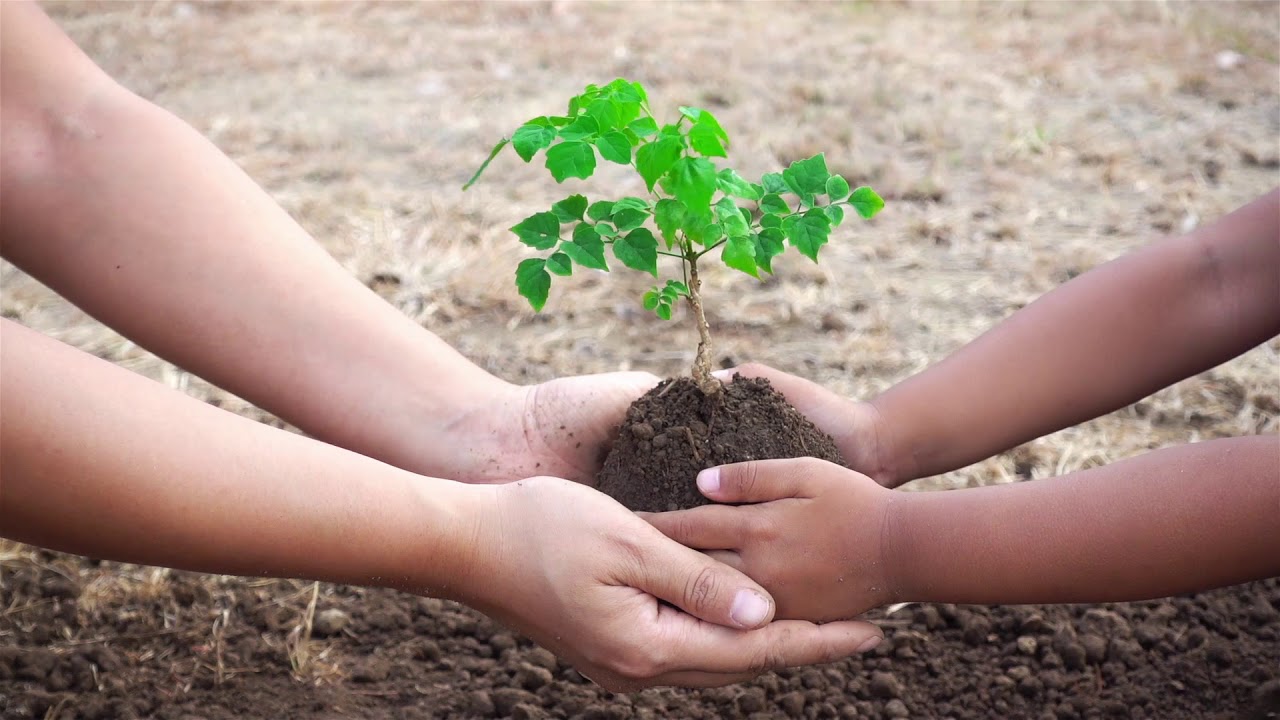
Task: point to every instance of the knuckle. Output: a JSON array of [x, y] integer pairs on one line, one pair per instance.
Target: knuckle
[[747, 475], [767, 658], [702, 590]]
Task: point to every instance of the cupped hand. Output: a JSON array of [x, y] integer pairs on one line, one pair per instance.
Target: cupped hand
[[562, 428], [812, 533], [579, 574], [857, 427]]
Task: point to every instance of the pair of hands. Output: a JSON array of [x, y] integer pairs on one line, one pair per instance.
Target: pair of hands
[[593, 579]]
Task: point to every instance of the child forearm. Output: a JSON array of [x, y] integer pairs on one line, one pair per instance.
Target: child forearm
[[1171, 521], [96, 460], [1101, 341]]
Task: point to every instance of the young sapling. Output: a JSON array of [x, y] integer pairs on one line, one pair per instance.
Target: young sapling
[[694, 208]]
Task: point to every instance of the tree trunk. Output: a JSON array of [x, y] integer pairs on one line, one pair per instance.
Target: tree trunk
[[702, 361]]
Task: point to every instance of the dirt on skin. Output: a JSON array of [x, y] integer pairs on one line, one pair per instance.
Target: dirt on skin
[[676, 430], [181, 652]]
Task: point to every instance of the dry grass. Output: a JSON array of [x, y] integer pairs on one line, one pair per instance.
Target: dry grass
[[1018, 144]]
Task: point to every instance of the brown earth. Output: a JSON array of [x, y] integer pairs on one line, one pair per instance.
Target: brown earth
[[1017, 144], [187, 649], [675, 430]]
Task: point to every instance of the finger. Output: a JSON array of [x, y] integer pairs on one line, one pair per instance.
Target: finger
[[728, 557], [761, 480], [785, 383], [710, 527], [700, 586], [781, 644]]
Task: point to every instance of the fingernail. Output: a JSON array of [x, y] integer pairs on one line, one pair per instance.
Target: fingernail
[[870, 643], [709, 480], [749, 608]]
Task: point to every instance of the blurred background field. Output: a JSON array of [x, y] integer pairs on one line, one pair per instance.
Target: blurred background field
[[1017, 145]]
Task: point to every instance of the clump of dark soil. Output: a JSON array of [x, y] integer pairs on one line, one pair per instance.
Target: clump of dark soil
[[675, 430]]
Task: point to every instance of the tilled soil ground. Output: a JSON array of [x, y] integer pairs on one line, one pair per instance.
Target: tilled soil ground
[[1017, 145], [192, 650]]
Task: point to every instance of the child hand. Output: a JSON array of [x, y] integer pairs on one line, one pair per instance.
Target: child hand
[[812, 534], [857, 427]]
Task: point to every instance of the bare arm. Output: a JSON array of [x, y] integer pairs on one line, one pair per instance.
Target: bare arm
[[97, 460], [830, 543], [132, 215], [1178, 520], [1103, 340]]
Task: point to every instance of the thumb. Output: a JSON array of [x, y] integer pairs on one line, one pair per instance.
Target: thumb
[[704, 588], [759, 481]]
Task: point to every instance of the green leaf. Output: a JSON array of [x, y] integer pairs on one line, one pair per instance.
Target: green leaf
[[835, 214], [807, 177], [656, 158], [583, 127], [644, 127], [679, 288], [707, 120], [625, 90], [705, 141], [628, 218], [559, 264], [663, 311], [630, 202], [605, 230], [769, 244], [475, 176], [731, 183], [571, 159], [668, 214], [773, 204], [532, 137], [808, 232], [586, 248], [638, 251], [600, 210], [614, 147], [837, 188], [651, 300], [533, 281], [731, 218], [773, 183], [771, 221], [570, 209], [540, 231], [740, 254], [693, 182], [605, 112], [866, 202], [700, 227]]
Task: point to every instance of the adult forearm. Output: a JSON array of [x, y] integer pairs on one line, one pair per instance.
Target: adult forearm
[[128, 212], [96, 460], [1098, 343], [1171, 521]]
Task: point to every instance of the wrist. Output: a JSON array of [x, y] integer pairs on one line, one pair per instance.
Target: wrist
[[462, 431], [439, 552], [889, 465]]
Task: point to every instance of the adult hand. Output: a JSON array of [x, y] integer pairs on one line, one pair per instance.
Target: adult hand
[[579, 574], [857, 427], [561, 428], [812, 536]]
